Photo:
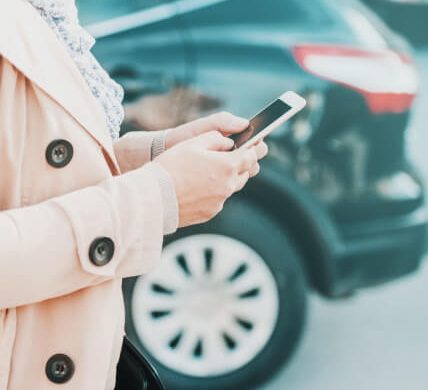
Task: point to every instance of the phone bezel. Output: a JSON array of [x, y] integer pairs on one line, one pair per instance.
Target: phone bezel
[[295, 101]]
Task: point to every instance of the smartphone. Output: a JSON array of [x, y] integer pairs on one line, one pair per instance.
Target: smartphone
[[270, 118]]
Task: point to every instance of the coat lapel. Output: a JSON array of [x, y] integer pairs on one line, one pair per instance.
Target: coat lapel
[[29, 43]]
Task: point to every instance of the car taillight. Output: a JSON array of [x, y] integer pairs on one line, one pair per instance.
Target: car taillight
[[388, 81]]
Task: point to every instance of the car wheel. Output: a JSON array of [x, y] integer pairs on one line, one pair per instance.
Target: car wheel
[[226, 305]]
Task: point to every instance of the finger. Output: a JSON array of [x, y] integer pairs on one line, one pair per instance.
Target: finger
[[245, 159], [255, 169], [214, 141], [241, 181], [224, 122], [261, 150], [228, 123]]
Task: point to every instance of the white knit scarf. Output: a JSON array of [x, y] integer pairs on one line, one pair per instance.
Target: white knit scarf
[[62, 17]]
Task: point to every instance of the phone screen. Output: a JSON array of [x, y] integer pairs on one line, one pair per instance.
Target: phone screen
[[262, 120]]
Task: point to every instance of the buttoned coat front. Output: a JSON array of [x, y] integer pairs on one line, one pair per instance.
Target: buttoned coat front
[[55, 300]]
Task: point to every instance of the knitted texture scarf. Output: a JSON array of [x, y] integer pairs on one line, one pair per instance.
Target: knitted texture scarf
[[62, 17]]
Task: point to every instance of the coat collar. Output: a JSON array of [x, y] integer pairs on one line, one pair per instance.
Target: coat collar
[[32, 47]]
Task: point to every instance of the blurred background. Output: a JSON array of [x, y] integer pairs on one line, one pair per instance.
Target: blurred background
[[314, 275]]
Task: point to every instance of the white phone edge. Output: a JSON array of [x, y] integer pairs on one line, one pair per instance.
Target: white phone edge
[[295, 101]]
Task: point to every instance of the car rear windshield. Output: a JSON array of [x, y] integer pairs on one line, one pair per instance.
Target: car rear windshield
[[244, 11], [273, 11], [92, 11]]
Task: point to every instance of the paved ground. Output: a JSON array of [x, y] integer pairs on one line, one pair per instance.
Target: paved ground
[[377, 340]]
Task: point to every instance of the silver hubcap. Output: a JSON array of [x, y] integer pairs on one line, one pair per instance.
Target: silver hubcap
[[209, 307]]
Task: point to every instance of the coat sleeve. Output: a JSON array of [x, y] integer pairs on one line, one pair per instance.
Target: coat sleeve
[[45, 249], [137, 148]]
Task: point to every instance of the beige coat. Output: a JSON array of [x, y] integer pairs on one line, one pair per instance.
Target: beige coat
[[71, 226]]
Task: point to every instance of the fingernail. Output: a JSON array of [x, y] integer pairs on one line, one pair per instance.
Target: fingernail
[[239, 123]]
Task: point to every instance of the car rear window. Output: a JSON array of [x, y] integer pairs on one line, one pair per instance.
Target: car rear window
[[244, 11], [92, 11], [273, 11]]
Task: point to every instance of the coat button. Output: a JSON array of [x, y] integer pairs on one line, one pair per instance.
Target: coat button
[[101, 251], [59, 153], [59, 368]]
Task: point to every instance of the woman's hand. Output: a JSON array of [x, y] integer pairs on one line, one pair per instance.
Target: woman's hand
[[205, 173], [224, 122]]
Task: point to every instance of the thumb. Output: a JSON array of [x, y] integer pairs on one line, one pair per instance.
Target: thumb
[[214, 141], [225, 122]]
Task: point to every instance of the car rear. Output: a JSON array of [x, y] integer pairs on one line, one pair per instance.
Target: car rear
[[355, 159]]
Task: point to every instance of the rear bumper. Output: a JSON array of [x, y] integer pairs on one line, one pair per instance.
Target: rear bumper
[[378, 251]]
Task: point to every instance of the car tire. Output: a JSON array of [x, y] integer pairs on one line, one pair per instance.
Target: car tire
[[244, 222]]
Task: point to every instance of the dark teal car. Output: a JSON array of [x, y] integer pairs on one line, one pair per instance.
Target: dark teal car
[[337, 207]]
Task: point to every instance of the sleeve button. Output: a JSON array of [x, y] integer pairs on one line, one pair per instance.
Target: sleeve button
[[101, 251], [59, 368]]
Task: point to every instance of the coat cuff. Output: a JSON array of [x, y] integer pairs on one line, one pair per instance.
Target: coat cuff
[[137, 148], [158, 143], [169, 199], [127, 210]]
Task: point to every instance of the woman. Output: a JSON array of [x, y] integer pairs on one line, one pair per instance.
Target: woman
[[82, 209]]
